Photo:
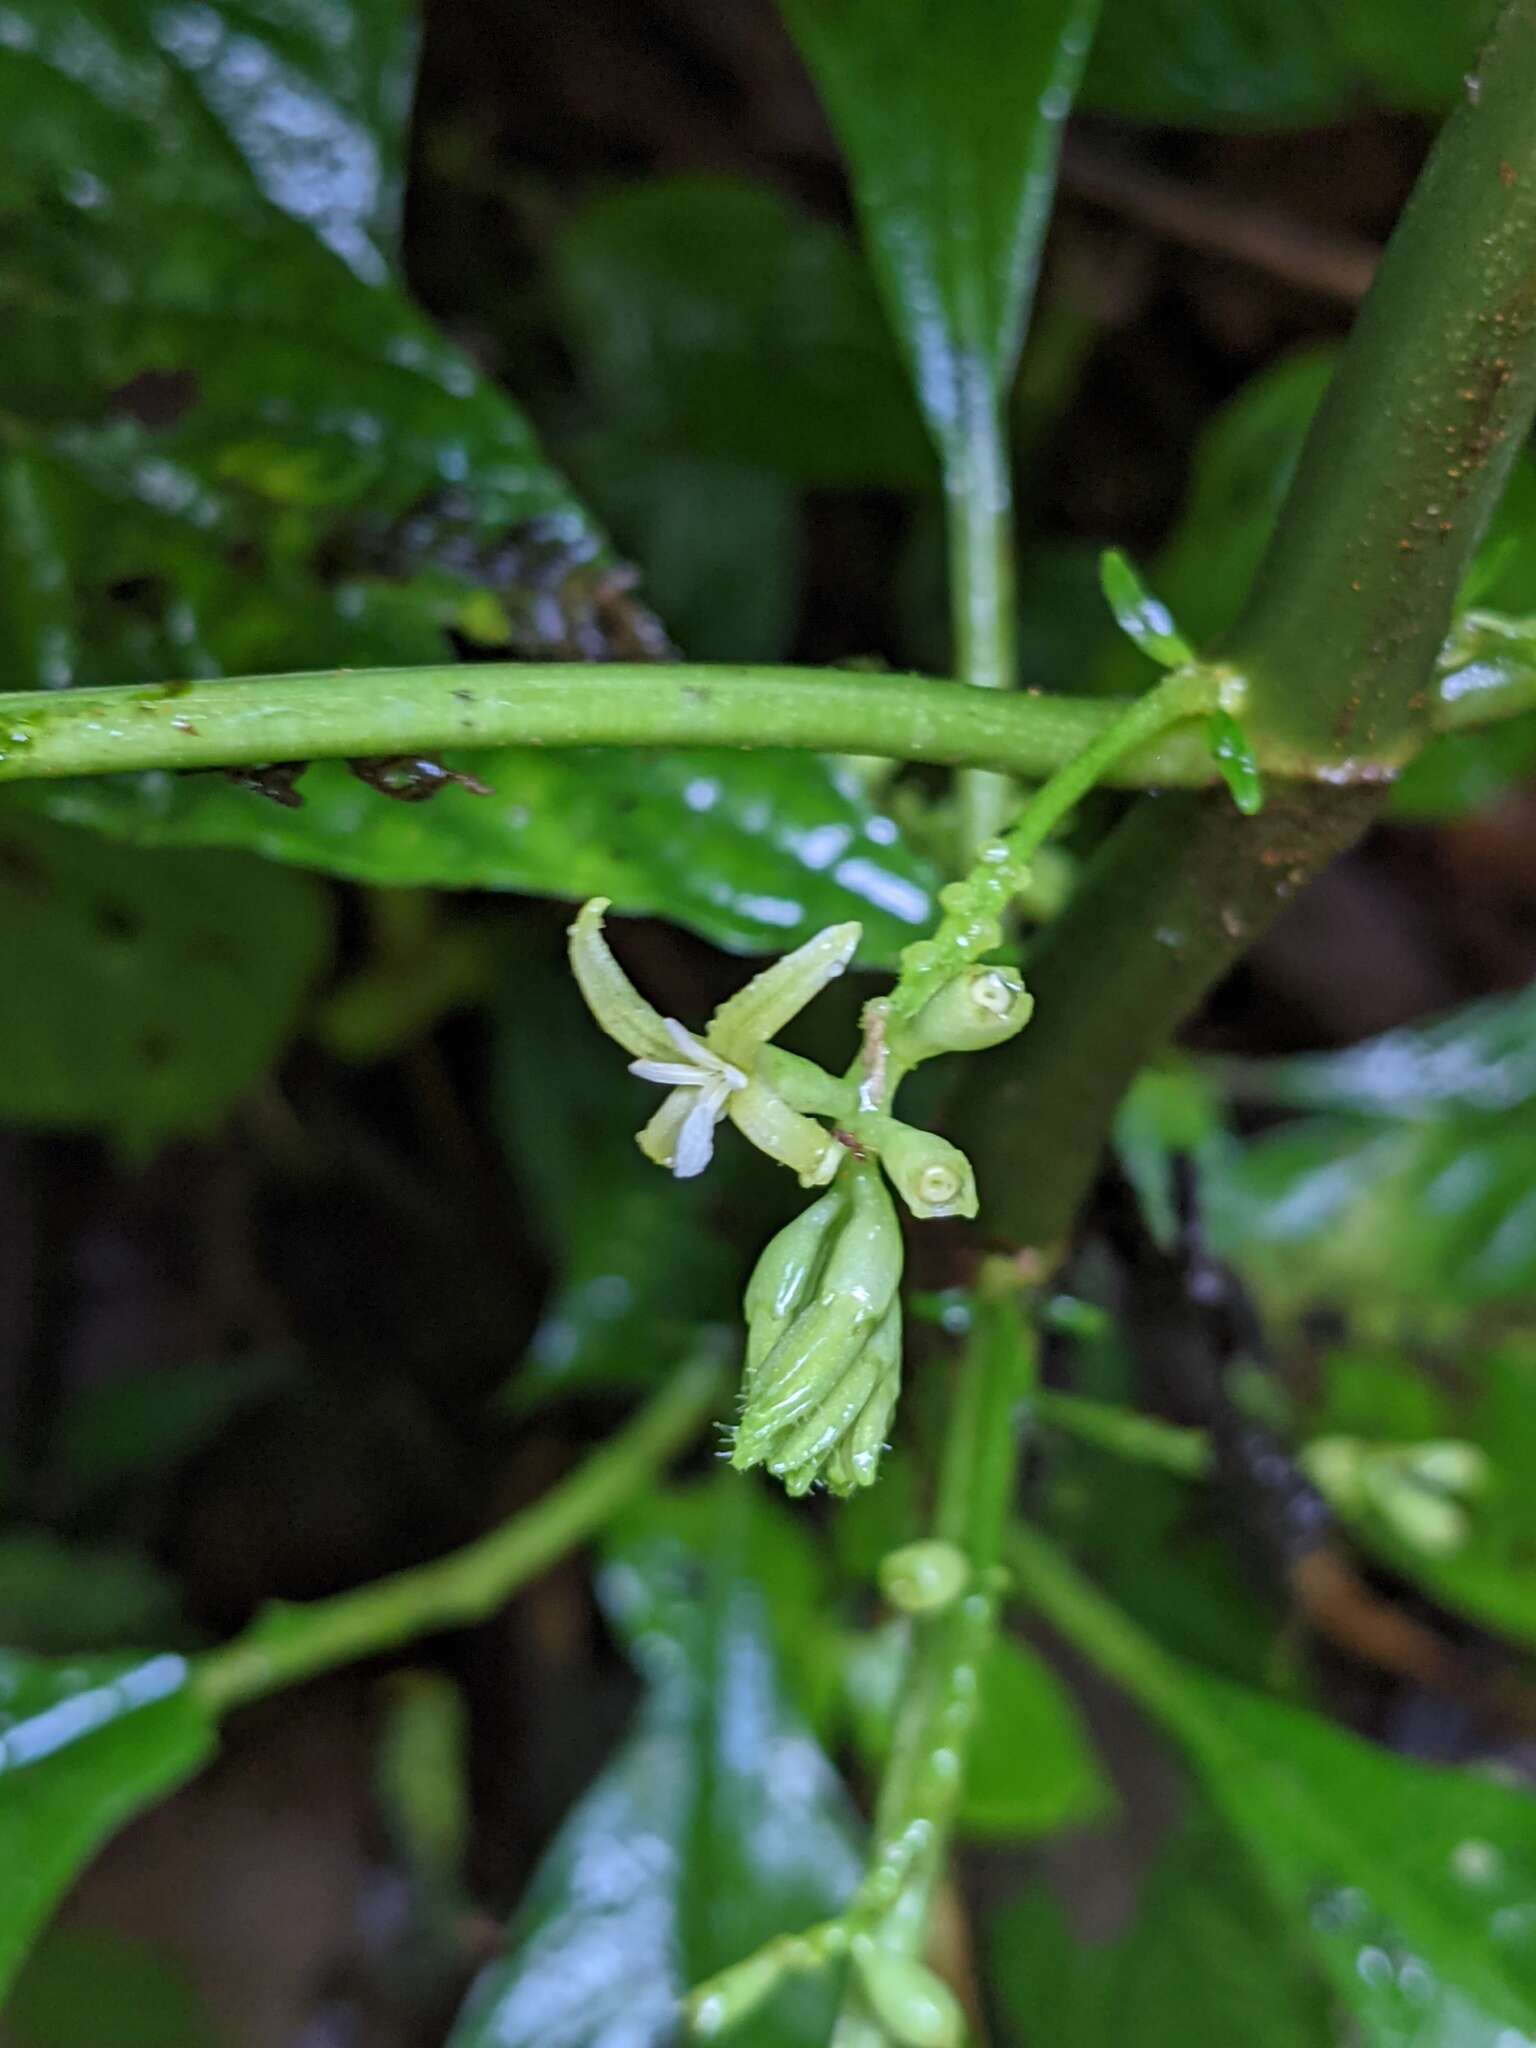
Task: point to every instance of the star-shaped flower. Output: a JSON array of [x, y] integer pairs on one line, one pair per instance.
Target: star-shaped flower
[[716, 1074], [702, 1084]]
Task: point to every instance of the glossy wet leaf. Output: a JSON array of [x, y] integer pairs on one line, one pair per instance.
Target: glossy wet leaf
[[1415, 1883], [233, 446], [1270, 63], [1232, 751], [1204, 1963], [1144, 619], [949, 113], [714, 320], [157, 990], [84, 1745], [718, 1825], [1404, 1199]]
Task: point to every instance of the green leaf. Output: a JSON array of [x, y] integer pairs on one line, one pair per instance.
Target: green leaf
[[1031, 1768], [950, 113], [1404, 1201], [157, 989], [58, 1596], [1413, 1885], [138, 1427], [84, 1745], [1274, 63], [718, 1825], [749, 336], [81, 1988], [1232, 751], [1205, 1963], [719, 545], [234, 446], [1142, 618]]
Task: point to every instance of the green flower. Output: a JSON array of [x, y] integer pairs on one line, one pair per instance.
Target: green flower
[[715, 1074], [823, 1366]]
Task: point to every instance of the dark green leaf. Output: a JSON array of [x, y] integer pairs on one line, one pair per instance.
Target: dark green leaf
[[81, 1988], [1270, 63], [1206, 1963], [1031, 1769], [719, 545], [713, 320], [1416, 1884], [137, 1427], [233, 445], [950, 114], [718, 1825], [757, 851], [1406, 1200], [57, 1596], [1141, 617], [1232, 751], [156, 989], [84, 1746]]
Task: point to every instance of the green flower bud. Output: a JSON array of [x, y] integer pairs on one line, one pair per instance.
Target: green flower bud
[[981, 1007], [824, 1340], [922, 1577], [933, 1177], [915, 2007]]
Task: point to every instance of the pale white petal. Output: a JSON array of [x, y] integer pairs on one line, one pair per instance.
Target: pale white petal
[[670, 1073], [696, 1139], [698, 1054]]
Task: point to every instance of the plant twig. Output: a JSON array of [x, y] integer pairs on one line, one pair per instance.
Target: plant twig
[[288, 1643], [1340, 647], [925, 1771], [245, 721]]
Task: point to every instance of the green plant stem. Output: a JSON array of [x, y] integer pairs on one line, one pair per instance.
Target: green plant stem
[[926, 1768], [978, 502], [1343, 674], [245, 721], [287, 1644], [1124, 1433], [1415, 438]]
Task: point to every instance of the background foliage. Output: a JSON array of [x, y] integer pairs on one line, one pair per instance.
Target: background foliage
[[335, 337]]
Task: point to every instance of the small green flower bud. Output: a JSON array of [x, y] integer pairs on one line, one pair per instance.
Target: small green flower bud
[[824, 1339], [916, 2008], [922, 1577], [983, 1006], [1448, 1466], [933, 1177]]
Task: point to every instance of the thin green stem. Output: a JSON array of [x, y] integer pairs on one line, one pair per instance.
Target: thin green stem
[[1485, 674], [978, 500], [1124, 1433], [287, 1644], [926, 1768]]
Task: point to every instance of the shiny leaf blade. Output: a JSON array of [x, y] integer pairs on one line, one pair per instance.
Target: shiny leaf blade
[[239, 447], [1142, 618], [83, 1747], [718, 1825], [950, 116]]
